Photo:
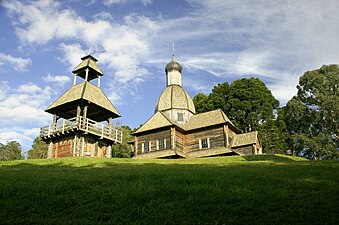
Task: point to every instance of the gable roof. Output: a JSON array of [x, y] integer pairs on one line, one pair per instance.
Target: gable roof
[[207, 119], [84, 91], [158, 120], [244, 139]]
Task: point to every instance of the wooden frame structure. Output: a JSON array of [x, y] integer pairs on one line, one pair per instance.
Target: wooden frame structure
[[78, 127]]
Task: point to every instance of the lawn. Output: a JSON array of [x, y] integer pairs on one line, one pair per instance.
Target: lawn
[[224, 190]]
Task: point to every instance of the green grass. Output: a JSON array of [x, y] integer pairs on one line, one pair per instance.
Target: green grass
[[224, 190]]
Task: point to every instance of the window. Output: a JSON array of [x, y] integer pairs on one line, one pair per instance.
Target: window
[[161, 144], [204, 143], [146, 147], [180, 117]]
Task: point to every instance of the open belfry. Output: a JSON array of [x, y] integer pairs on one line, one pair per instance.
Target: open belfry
[[82, 117], [176, 131]]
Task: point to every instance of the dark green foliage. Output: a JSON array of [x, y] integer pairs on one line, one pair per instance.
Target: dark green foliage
[[273, 135], [219, 98], [251, 103], [123, 150], [201, 103], [39, 149], [224, 190], [312, 117], [10, 151]]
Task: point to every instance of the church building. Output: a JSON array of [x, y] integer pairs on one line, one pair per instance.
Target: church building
[[176, 131]]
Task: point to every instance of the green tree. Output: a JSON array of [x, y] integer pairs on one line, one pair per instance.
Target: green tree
[[219, 98], [123, 150], [201, 103], [39, 149], [251, 106], [251, 103], [312, 117], [273, 135], [10, 151]]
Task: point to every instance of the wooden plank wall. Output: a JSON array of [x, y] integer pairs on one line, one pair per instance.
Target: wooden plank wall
[[245, 150], [63, 147], [179, 140], [152, 137], [216, 136]]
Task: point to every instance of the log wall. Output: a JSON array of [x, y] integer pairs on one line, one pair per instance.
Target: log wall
[[152, 138], [245, 150], [216, 138]]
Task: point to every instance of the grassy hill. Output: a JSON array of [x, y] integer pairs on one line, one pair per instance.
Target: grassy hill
[[224, 190]]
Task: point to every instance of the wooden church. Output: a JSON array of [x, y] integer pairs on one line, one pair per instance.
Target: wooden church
[[176, 131], [82, 117]]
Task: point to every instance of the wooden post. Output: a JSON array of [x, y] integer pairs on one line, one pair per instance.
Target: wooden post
[[50, 150], [226, 135], [86, 78], [63, 126], [54, 121], [84, 117], [109, 151], [172, 138], [135, 145], [78, 116], [110, 125], [82, 146], [75, 146]]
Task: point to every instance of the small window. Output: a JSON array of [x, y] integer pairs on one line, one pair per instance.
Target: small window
[[161, 144], [146, 147], [204, 143], [180, 117]]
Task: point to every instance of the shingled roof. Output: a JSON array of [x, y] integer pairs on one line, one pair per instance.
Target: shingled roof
[[84, 91], [244, 139], [158, 120], [211, 118], [207, 119], [175, 97]]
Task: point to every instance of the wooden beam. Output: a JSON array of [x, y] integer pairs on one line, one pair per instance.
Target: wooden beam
[[84, 117]]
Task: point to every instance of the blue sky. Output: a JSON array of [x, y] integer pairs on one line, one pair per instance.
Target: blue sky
[[41, 42]]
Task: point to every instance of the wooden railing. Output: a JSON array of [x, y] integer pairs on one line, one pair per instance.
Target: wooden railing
[[89, 126]]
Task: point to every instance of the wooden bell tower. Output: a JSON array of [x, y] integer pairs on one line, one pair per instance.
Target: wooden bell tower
[[82, 117]]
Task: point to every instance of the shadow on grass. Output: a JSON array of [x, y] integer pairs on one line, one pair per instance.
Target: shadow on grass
[[112, 191]]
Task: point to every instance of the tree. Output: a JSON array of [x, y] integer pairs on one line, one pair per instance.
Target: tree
[[123, 150], [201, 103], [273, 134], [10, 151], [219, 97], [312, 117], [39, 149], [250, 105]]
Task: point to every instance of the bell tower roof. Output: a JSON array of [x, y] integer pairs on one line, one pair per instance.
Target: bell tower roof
[[88, 67]]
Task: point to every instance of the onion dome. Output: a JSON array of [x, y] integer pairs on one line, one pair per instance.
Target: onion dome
[[173, 65]]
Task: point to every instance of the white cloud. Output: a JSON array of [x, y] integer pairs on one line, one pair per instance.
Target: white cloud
[[278, 40], [15, 63], [113, 2], [58, 80], [29, 88], [22, 113]]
